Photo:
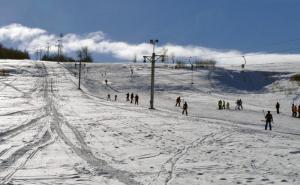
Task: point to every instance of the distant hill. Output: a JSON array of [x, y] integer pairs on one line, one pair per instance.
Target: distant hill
[[10, 53]]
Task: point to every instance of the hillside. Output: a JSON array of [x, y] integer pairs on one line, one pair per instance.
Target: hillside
[[53, 133]]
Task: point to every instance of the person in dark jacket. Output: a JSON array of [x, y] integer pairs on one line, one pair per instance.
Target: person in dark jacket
[[131, 97], [127, 97], [220, 104], [269, 120], [277, 107], [184, 108], [178, 100], [136, 99]]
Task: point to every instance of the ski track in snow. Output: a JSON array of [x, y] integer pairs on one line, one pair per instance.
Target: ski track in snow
[[113, 143]]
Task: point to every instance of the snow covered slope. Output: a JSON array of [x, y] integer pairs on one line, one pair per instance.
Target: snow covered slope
[[53, 133]]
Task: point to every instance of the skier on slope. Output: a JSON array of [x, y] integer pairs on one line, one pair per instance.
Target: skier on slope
[[127, 97], [269, 119], [220, 104], [108, 97], [178, 100], [294, 110], [237, 105], [116, 96], [223, 105], [277, 107], [136, 99], [241, 104], [227, 105], [131, 97], [184, 108]]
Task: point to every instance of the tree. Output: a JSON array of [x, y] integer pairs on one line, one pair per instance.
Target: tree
[[84, 55], [11, 53], [134, 59]]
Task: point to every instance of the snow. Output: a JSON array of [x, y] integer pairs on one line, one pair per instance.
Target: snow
[[53, 133]]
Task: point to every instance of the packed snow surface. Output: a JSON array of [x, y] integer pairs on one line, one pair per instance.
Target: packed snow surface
[[53, 133]]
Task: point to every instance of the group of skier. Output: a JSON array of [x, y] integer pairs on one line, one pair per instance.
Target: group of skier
[[223, 105], [295, 110], [184, 107], [131, 97], [108, 97]]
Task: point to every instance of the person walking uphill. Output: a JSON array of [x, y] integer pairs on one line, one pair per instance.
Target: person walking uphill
[[178, 100], [269, 119], [131, 97], [185, 107], [277, 107], [220, 104], [136, 99], [294, 110]]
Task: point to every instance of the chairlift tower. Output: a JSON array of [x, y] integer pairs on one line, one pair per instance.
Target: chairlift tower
[[48, 49], [192, 68], [153, 58], [59, 48]]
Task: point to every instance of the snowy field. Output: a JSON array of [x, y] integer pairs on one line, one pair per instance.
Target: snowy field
[[53, 133]]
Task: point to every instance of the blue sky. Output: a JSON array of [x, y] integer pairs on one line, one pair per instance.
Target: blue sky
[[243, 25]]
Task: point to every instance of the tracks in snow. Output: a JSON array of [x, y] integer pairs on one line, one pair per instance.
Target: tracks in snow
[[166, 173]]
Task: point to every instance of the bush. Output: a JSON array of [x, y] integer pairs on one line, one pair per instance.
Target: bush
[[205, 63], [56, 58], [180, 64], [4, 72], [295, 77]]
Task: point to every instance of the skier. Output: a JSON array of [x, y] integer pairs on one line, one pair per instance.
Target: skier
[[241, 104], [227, 105], [105, 81], [237, 105], [116, 96], [185, 107], [277, 107], [131, 97], [294, 110], [220, 104], [223, 106], [108, 97], [178, 100], [127, 97], [269, 119], [136, 99]]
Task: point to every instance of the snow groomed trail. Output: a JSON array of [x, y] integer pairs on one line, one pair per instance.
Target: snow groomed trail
[[53, 133]]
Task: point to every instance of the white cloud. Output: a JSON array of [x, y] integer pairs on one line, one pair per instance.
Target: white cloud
[[17, 32], [33, 38]]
